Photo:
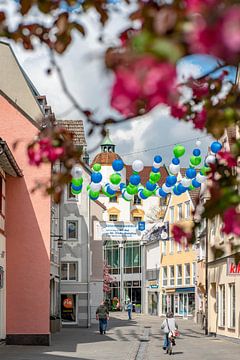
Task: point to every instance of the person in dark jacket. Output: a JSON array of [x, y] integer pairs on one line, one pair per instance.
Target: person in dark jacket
[[102, 315]]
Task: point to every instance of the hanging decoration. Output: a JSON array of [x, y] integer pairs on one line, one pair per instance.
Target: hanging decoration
[[190, 179]]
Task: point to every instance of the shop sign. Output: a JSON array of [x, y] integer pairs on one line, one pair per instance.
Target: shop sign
[[68, 303], [153, 284], [233, 268], [1, 277]]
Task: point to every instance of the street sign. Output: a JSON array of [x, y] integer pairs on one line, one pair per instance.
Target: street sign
[[141, 225]]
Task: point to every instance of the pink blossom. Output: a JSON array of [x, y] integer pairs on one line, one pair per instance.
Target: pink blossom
[[231, 29], [179, 234], [199, 5], [228, 158], [178, 111], [200, 119], [200, 88], [144, 84], [231, 220]]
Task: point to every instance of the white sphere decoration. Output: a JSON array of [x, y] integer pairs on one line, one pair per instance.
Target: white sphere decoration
[[198, 143], [174, 169], [137, 165], [114, 187], [156, 165], [76, 172], [95, 186], [201, 178], [210, 159], [164, 235], [127, 196], [186, 182], [166, 189]]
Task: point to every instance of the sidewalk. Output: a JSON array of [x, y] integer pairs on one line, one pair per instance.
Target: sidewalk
[[122, 342]]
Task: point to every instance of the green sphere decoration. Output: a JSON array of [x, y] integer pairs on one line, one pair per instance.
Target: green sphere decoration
[[147, 192], [88, 187], [115, 179], [74, 192], [94, 194], [195, 160], [132, 190], [154, 177], [204, 170], [179, 151], [77, 182], [191, 187], [97, 167]]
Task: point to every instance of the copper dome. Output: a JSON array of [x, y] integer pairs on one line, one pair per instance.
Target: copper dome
[[105, 158]]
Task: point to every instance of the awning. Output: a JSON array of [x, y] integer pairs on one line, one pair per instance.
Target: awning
[[185, 289]]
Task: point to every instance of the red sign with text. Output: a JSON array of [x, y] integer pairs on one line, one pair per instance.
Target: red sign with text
[[68, 303], [233, 268]]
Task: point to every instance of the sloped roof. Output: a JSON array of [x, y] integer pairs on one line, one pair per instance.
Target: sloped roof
[[145, 174], [76, 127], [7, 160], [105, 158]]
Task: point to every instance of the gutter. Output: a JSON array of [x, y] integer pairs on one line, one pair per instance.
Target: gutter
[[7, 152]]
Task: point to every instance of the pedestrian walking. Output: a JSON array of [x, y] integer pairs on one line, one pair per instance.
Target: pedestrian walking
[[102, 315], [169, 326], [129, 310]]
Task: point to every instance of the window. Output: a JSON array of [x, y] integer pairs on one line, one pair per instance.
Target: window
[[172, 275], [187, 274], [72, 230], [171, 245], [187, 209], [113, 199], [132, 257], [69, 271], [70, 196], [186, 245], [221, 305], [113, 217], [137, 218], [194, 273], [179, 247], [179, 274], [162, 202], [232, 306], [164, 247], [136, 200], [180, 212], [171, 214], [164, 276]]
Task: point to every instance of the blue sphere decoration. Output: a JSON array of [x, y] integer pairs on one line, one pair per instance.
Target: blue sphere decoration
[[141, 195], [195, 183], [96, 177], [135, 179], [191, 173], [196, 152], [110, 191], [171, 180], [122, 186], [150, 186], [117, 165], [181, 189], [216, 147], [176, 191], [76, 188], [157, 159], [155, 170], [162, 193], [175, 161]]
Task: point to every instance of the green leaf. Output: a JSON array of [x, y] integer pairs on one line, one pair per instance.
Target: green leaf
[[166, 49]]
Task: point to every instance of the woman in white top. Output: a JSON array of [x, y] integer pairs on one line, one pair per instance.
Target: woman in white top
[[168, 325]]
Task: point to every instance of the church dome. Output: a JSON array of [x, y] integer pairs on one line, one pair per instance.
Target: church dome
[[105, 158]]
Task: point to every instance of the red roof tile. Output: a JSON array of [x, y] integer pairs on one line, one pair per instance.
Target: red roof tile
[[105, 158]]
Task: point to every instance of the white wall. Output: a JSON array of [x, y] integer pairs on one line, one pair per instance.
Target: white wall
[[153, 256]]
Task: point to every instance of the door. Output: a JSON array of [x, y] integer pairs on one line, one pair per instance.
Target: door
[[185, 305]]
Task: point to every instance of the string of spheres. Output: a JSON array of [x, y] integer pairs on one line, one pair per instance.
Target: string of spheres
[[194, 176]]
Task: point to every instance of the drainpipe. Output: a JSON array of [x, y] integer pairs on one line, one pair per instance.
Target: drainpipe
[[88, 266]]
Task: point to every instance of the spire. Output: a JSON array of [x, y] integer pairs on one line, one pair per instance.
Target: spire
[[107, 144]]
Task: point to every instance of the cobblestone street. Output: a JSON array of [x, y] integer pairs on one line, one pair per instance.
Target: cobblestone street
[[123, 342]]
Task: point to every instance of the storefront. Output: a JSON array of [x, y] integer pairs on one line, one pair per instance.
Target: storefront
[[179, 301], [68, 309], [152, 297]]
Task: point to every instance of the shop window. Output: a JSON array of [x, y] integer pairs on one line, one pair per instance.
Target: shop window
[[172, 275], [180, 212], [221, 305], [179, 274], [72, 229], [132, 258], [137, 218], [164, 276], [70, 195], [68, 308], [111, 256], [187, 209], [187, 274], [136, 200], [69, 271], [113, 199], [171, 214], [232, 305], [113, 217], [164, 304]]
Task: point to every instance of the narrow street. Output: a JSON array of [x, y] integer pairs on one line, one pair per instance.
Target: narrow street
[[123, 342]]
